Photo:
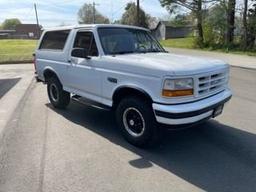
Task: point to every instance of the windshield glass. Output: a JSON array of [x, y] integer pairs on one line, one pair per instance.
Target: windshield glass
[[127, 40]]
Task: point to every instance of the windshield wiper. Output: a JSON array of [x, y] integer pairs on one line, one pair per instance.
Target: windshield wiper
[[150, 51], [155, 51], [159, 51], [121, 52]]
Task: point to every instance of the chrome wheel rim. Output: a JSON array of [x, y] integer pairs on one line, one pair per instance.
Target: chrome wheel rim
[[134, 122], [54, 92]]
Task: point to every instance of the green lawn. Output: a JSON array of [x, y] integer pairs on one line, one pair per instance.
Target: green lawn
[[179, 43], [15, 50], [188, 43]]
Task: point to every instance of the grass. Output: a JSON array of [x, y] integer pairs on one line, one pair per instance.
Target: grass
[[188, 43], [179, 43], [16, 50]]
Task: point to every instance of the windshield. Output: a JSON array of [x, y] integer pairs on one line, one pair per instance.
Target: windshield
[[127, 40]]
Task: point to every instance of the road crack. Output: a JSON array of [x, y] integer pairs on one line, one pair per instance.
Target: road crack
[[43, 157]]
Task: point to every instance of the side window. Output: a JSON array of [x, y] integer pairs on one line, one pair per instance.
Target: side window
[[54, 40], [86, 40]]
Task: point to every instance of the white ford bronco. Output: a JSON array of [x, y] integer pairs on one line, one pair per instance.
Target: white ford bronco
[[126, 69]]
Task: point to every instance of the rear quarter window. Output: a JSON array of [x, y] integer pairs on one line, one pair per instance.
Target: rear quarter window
[[54, 40]]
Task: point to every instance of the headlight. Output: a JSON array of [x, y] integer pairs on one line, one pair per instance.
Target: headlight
[[178, 87]]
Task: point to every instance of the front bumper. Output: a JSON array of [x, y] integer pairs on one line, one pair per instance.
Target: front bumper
[[188, 113]]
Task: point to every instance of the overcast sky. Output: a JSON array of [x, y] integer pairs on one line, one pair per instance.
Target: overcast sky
[[56, 12]]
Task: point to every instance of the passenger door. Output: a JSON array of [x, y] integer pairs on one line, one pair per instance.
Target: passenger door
[[84, 79]]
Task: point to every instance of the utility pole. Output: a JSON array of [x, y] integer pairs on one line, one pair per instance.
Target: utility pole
[[138, 12], [94, 12], [111, 9], [37, 21]]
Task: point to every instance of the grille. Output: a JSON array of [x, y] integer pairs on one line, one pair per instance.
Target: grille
[[212, 83]]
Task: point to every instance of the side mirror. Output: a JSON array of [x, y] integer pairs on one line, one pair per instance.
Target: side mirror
[[80, 52]]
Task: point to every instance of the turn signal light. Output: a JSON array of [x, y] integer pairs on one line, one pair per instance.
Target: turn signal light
[[177, 93]]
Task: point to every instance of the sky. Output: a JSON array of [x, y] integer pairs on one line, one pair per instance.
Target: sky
[[64, 12]]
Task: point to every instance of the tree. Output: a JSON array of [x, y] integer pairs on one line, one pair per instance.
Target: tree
[[180, 20], [244, 39], [11, 23], [152, 22], [215, 24], [249, 25], [86, 15], [252, 26], [230, 22], [195, 6], [129, 17]]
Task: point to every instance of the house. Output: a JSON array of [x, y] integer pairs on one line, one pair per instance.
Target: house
[[22, 31], [6, 33], [28, 31], [164, 30]]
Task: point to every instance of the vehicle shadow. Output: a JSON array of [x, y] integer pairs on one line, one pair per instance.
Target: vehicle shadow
[[212, 156], [7, 84]]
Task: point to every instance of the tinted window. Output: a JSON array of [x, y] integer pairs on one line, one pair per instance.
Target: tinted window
[[86, 40], [54, 40]]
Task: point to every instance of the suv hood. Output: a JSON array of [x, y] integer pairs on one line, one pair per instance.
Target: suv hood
[[173, 64]]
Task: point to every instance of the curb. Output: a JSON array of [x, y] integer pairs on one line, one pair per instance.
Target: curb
[[247, 68], [17, 62]]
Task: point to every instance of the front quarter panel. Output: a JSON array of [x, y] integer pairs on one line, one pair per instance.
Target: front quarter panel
[[126, 78]]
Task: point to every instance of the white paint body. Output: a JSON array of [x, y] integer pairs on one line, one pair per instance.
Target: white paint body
[[89, 77]]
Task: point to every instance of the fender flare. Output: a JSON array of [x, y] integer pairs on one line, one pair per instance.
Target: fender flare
[[49, 70], [135, 88]]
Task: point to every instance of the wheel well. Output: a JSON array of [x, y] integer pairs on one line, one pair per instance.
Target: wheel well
[[49, 74], [128, 91]]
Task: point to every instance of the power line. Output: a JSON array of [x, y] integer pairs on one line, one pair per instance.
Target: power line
[[120, 9]]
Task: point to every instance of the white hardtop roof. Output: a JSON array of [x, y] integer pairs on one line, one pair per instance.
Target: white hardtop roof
[[91, 26]]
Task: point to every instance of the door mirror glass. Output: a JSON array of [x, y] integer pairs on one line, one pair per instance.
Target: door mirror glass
[[80, 52]]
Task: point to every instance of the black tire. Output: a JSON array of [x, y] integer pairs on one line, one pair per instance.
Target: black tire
[[137, 122], [57, 96]]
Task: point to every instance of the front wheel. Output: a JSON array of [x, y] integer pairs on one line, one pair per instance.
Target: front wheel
[[57, 96], [136, 119]]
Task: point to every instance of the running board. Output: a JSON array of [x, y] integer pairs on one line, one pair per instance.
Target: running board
[[88, 102]]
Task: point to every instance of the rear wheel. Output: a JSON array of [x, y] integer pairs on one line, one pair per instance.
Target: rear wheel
[[57, 96], [136, 119]]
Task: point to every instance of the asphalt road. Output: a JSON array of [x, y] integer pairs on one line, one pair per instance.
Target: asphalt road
[[81, 149]]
